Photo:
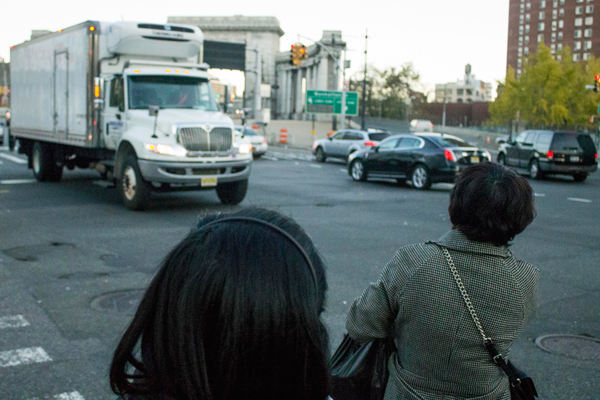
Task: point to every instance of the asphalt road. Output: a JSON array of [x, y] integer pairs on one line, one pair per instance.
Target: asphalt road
[[64, 245]]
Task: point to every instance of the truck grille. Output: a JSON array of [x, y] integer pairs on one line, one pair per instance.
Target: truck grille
[[198, 139]]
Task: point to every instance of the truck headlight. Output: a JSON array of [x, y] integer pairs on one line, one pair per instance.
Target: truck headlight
[[245, 148], [165, 149]]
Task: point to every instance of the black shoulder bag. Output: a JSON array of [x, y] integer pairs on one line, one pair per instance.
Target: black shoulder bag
[[521, 386]]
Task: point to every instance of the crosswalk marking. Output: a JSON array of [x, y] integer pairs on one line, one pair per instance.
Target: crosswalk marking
[[64, 396], [29, 355], [13, 321], [18, 160], [17, 181], [579, 200]]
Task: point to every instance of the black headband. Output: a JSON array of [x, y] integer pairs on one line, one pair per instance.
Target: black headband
[[277, 229]]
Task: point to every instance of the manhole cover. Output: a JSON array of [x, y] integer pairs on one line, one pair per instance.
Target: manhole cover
[[572, 346], [121, 302]]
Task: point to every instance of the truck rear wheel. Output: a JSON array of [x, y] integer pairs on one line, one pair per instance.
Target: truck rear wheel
[[43, 163], [133, 189], [232, 192]]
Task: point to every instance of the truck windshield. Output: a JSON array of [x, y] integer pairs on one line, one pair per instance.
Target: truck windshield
[[170, 92]]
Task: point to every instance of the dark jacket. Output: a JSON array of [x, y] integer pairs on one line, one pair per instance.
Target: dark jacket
[[416, 301]]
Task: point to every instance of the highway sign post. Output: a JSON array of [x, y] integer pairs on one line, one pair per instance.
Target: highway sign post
[[330, 102]]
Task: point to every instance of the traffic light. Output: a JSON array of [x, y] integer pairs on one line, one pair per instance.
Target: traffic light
[[294, 55], [596, 82], [298, 52], [303, 53]]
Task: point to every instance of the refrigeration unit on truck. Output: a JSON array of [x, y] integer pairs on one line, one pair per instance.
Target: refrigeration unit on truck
[[132, 100]]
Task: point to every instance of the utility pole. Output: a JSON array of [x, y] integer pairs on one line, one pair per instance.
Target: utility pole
[[444, 112], [364, 94], [257, 98]]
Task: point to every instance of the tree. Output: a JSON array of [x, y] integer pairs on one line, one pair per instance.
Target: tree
[[550, 92]]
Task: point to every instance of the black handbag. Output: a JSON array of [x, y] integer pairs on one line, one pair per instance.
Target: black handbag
[[360, 371], [521, 386]]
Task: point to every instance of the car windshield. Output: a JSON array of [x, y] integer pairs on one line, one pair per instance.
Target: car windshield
[[250, 132], [170, 92], [449, 141], [572, 141], [378, 136]]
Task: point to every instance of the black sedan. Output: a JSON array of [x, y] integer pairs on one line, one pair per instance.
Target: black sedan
[[423, 159]]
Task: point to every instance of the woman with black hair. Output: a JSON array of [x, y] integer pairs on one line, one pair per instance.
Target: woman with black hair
[[417, 300], [234, 312]]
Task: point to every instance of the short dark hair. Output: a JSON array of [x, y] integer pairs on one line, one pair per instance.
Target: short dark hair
[[491, 203], [231, 314]]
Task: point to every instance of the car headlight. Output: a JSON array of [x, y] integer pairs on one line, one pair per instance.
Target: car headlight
[[165, 149], [244, 148], [487, 154]]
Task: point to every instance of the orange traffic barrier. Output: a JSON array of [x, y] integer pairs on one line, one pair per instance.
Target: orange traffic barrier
[[255, 127], [330, 133], [283, 136]]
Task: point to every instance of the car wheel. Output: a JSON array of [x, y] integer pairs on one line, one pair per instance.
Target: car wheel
[[579, 177], [501, 159], [133, 189], [43, 163], [358, 171], [232, 193], [420, 177], [320, 155], [534, 170]]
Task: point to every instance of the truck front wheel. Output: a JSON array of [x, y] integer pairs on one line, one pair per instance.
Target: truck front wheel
[[43, 163], [133, 189], [232, 192]]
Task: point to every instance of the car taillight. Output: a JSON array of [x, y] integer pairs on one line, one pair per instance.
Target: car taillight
[[550, 155], [369, 143], [450, 156], [432, 125], [596, 155], [264, 140]]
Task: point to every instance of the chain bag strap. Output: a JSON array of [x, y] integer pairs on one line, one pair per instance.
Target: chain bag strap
[[515, 381]]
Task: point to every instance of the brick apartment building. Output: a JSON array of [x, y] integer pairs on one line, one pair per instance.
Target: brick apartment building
[[557, 23]]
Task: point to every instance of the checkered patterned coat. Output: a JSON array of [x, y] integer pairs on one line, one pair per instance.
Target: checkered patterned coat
[[440, 351]]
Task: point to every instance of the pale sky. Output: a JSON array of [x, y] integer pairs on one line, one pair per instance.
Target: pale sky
[[438, 36]]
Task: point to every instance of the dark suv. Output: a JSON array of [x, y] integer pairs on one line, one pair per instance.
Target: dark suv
[[550, 152]]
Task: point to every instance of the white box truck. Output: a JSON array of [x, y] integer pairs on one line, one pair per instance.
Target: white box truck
[[132, 100]]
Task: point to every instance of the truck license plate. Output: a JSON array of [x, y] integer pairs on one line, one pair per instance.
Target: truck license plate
[[212, 181], [574, 158], [474, 160]]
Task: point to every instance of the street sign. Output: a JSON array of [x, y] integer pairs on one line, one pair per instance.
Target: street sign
[[330, 102]]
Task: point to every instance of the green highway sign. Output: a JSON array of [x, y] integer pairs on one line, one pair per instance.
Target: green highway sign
[[330, 102]]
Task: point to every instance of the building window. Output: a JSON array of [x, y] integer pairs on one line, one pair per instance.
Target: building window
[[586, 56], [589, 9], [558, 57], [528, 6], [519, 52], [554, 25], [587, 45], [561, 12], [560, 36], [589, 20], [579, 1], [526, 39], [578, 10], [561, 24], [527, 17], [520, 29], [520, 40], [542, 3], [521, 18], [526, 28], [587, 33], [469, 91], [561, 2], [522, 8], [555, 3], [559, 47], [519, 62], [553, 37], [554, 14], [577, 33], [526, 50], [542, 15], [518, 72], [577, 46], [540, 38], [459, 91], [576, 57], [552, 48], [541, 26], [578, 21]]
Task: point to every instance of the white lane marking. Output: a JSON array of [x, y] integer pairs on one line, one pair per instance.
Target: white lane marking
[[270, 158], [343, 170], [315, 166], [17, 181], [579, 200], [27, 355], [18, 160], [13, 321], [64, 396], [539, 195]]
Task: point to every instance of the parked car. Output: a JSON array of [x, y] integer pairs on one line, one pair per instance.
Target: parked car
[[539, 153], [258, 142], [345, 142], [423, 159], [421, 125]]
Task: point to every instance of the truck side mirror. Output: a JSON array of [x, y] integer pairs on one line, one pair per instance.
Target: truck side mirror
[[153, 111]]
